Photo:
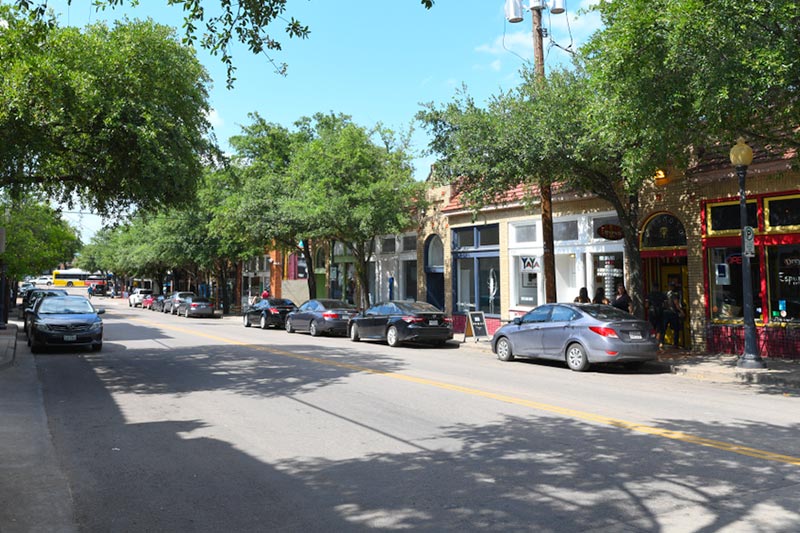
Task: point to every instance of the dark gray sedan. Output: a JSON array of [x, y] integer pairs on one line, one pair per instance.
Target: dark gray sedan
[[321, 316], [194, 306], [65, 321], [579, 334]]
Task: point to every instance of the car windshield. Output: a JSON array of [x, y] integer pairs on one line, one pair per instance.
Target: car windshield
[[417, 307], [605, 312], [336, 304], [51, 306]]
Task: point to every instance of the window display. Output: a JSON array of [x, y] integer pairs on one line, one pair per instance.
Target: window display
[[783, 264], [726, 284]]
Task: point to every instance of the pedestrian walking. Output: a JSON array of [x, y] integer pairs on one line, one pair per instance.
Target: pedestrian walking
[[654, 305], [90, 291]]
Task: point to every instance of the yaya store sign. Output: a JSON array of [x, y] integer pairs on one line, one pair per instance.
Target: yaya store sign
[[611, 232]]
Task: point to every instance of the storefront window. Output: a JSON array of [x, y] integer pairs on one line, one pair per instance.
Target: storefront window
[[783, 264], [388, 245], [783, 212], [725, 217], [525, 233], [489, 235], [662, 231], [464, 238], [565, 231], [489, 284], [410, 280], [465, 290], [608, 273], [726, 283]]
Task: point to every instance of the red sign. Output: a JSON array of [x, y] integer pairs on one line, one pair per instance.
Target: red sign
[[612, 232]]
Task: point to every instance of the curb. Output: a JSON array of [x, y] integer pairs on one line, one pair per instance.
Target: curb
[[747, 377]]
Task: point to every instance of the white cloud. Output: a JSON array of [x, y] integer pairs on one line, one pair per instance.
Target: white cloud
[[214, 118]]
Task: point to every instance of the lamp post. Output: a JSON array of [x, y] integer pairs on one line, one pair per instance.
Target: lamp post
[[741, 157]]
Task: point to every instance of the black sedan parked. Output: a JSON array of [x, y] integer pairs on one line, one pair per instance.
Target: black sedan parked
[[196, 306], [397, 322], [321, 316], [65, 321], [268, 312]]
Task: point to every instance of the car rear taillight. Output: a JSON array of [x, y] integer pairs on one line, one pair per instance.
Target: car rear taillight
[[193, 306], [413, 319], [604, 332], [448, 320], [330, 315], [274, 310]]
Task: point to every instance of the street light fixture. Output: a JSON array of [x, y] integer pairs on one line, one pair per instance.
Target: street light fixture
[[741, 158]]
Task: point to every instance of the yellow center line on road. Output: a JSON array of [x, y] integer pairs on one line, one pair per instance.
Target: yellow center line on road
[[563, 411]]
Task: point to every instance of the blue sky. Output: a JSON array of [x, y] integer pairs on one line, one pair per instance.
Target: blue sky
[[374, 60]]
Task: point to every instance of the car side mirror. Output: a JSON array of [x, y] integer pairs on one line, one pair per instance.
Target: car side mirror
[[517, 320], [101, 311]]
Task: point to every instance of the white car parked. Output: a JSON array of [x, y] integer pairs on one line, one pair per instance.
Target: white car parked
[[43, 281], [136, 297]]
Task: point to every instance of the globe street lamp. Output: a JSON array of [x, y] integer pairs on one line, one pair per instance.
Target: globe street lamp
[[741, 157]]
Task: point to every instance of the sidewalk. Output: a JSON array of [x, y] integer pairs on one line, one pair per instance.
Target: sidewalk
[[34, 494]]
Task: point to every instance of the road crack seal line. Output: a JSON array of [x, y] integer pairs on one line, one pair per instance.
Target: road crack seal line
[[563, 411]]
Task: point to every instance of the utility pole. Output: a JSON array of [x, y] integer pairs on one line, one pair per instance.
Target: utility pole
[[545, 191]]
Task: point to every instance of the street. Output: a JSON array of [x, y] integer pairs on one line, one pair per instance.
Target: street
[[204, 425]]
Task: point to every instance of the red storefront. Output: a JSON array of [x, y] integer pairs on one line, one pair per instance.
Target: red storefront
[[775, 269]]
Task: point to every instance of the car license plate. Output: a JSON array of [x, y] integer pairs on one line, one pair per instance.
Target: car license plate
[[70, 338], [434, 322], [635, 335]]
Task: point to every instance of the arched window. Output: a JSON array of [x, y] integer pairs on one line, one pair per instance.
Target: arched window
[[434, 253], [663, 231]]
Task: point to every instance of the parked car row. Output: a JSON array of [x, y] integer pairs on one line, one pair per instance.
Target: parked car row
[[184, 303], [578, 334]]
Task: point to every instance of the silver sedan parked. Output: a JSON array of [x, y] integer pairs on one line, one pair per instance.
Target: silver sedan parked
[[579, 334]]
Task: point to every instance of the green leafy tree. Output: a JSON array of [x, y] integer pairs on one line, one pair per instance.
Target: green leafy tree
[[245, 21], [37, 238], [111, 118], [354, 189], [680, 76]]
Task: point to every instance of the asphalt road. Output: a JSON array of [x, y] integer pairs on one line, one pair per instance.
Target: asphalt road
[[204, 425]]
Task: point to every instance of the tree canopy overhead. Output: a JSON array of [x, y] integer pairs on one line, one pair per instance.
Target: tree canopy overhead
[[112, 118], [221, 22]]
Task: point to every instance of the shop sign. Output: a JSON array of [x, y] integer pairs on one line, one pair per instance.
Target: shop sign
[[530, 264], [611, 232]]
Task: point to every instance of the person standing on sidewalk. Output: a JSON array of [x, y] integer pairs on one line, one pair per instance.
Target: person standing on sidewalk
[[675, 313], [654, 304]]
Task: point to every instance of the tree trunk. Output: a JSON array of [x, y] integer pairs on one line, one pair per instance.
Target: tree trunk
[[311, 279], [548, 256]]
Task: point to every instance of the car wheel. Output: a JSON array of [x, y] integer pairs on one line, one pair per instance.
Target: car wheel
[[391, 337], [97, 347], [354, 333], [263, 322], [576, 358], [312, 329], [289, 328], [246, 320], [503, 348], [130, 304]]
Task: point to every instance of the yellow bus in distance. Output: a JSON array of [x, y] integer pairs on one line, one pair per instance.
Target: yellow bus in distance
[[71, 277]]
